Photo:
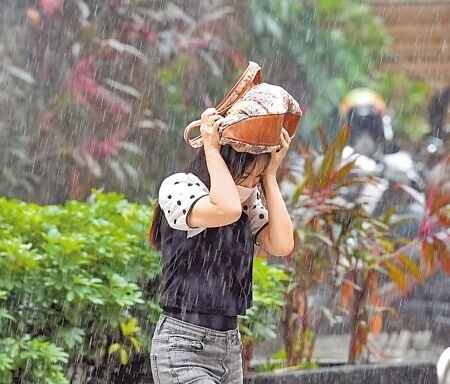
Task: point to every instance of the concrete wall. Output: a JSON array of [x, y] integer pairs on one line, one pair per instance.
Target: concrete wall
[[412, 373]]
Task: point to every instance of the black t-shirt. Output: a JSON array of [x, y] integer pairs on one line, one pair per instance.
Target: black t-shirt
[[207, 270]]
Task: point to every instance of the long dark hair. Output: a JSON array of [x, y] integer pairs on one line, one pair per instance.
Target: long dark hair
[[238, 163]]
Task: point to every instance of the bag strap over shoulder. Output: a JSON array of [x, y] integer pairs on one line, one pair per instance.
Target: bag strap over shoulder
[[250, 78]]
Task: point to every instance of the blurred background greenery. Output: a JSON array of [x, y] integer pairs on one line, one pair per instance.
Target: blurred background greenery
[[97, 93]]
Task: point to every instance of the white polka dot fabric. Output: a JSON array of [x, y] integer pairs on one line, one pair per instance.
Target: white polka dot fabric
[[180, 191], [177, 194], [256, 211]]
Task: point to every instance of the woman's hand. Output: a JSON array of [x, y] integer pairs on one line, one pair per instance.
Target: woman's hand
[[209, 128], [277, 156], [223, 205]]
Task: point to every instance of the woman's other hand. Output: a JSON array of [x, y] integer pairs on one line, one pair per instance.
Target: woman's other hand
[[277, 156], [277, 237], [209, 128]]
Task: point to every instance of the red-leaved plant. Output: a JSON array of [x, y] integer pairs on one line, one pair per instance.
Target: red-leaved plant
[[346, 252]]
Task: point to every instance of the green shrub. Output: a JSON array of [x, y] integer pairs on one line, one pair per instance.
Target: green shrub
[[72, 279], [269, 286]]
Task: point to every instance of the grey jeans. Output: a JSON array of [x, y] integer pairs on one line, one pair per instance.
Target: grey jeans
[[187, 353]]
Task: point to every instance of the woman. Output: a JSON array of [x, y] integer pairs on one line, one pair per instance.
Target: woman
[[206, 225]]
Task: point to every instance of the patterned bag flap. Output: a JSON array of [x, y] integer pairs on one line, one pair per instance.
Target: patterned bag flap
[[254, 122]]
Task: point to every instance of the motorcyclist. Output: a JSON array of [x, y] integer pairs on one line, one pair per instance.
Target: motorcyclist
[[364, 110], [371, 142]]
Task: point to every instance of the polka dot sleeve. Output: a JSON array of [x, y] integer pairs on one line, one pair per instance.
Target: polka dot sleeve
[[177, 195], [256, 212]]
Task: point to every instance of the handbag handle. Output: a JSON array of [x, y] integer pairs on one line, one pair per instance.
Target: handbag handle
[[197, 141], [250, 77]]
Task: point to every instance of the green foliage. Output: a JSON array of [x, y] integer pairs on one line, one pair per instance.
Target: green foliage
[[137, 72], [71, 278], [329, 48], [39, 360], [332, 43], [408, 99], [269, 285]]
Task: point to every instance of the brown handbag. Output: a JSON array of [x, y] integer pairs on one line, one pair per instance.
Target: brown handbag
[[254, 114]]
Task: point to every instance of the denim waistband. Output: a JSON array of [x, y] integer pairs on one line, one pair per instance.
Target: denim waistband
[[210, 334]]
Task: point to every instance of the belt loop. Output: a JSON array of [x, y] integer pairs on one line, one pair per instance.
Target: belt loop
[[162, 319], [207, 334], [229, 336]]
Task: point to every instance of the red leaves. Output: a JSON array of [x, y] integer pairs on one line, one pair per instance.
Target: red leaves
[[89, 92], [132, 30], [331, 158], [50, 7], [434, 228], [376, 323], [237, 58], [435, 249], [346, 294], [324, 181], [443, 255], [86, 90], [358, 342], [376, 320], [331, 227], [109, 146], [437, 199], [428, 257], [365, 320], [148, 34]]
